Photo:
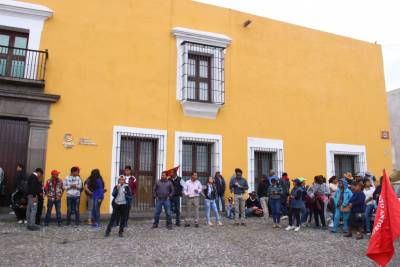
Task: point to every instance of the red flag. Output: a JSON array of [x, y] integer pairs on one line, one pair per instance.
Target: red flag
[[386, 226], [169, 172]]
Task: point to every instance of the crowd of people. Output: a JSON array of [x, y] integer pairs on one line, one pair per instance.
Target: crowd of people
[[348, 201]]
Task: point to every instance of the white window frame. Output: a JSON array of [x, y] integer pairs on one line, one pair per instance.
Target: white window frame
[[257, 144], [215, 139], [160, 135], [16, 15], [192, 108], [333, 149]]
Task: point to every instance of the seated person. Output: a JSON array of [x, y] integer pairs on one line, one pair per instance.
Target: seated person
[[230, 209], [253, 206], [19, 204]]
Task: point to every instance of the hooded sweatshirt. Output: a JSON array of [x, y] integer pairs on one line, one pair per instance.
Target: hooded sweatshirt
[[346, 195]]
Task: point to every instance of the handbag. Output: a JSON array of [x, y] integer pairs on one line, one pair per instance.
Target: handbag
[[345, 209]]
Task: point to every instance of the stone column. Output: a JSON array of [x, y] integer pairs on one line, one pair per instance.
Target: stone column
[[37, 144]]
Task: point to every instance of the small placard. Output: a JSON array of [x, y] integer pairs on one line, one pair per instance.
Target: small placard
[[385, 134], [87, 142]]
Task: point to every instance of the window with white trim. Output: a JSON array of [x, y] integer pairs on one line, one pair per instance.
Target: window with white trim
[[264, 155], [342, 158], [200, 71]]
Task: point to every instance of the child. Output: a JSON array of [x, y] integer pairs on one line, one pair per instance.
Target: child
[[230, 210], [122, 196]]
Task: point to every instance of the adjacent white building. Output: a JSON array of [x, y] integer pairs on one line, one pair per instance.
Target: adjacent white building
[[394, 113]]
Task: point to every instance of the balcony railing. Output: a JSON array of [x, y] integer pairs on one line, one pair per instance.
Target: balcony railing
[[22, 64]]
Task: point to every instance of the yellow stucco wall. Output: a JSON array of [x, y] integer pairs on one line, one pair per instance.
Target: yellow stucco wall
[[114, 63]]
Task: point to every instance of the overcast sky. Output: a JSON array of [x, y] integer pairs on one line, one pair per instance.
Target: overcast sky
[[368, 20]]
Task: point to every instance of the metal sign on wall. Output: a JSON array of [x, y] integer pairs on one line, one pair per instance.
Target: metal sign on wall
[[385, 134]]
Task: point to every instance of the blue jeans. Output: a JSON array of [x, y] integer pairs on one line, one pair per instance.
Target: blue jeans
[[73, 208], [368, 211], [176, 208], [345, 216], [222, 198], [211, 205], [57, 204], [248, 212], [96, 210], [167, 208], [284, 208], [304, 214], [276, 209]]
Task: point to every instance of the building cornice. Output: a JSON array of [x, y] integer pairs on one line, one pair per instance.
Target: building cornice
[[22, 8], [202, 37], [28, 95]]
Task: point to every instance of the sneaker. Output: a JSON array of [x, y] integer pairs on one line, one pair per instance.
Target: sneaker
[[25, 221], [33, 228], [331, 224], [289, 228], [348, 235], [303, 225], [274, 225], [154, 226], [89, 222], [120, 234], [284, 217], [220, 224], [107, 234], [196, 225], [187, 224], [243, 224], [278, 225], [359, 236], [20, 221], [95, 225], [178, 224], [297, 229], [169, 227], [210, 224], [236, 223]]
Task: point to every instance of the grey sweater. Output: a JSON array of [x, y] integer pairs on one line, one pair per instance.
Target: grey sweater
[[163, 189]]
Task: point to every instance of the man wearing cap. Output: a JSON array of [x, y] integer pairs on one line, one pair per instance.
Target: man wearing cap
[[53, 190]]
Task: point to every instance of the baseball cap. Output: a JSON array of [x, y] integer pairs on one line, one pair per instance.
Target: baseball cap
[[55, 172]]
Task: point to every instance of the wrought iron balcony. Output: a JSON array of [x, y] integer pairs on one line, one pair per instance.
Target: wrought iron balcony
[[22, 65]]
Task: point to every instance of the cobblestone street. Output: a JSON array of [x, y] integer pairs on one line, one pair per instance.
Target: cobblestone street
[[255, 245]]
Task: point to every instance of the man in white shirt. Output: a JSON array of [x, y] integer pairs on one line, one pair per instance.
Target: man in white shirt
[[192, 191]]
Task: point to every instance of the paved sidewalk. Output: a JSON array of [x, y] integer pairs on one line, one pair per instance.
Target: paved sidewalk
[[257, 244]]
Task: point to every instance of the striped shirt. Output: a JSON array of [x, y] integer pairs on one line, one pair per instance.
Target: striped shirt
[[274, 191]]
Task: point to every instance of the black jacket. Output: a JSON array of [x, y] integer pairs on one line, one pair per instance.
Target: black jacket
[[253, 203], [35, 187], [220, 185], [19, 179], [213, 194], [178, 188], [262, 189]]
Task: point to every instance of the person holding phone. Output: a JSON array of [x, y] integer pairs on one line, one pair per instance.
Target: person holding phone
[[121, 197], [192, 191]]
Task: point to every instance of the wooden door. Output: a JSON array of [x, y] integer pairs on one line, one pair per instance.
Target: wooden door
[[141, 155], [14, 136]]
